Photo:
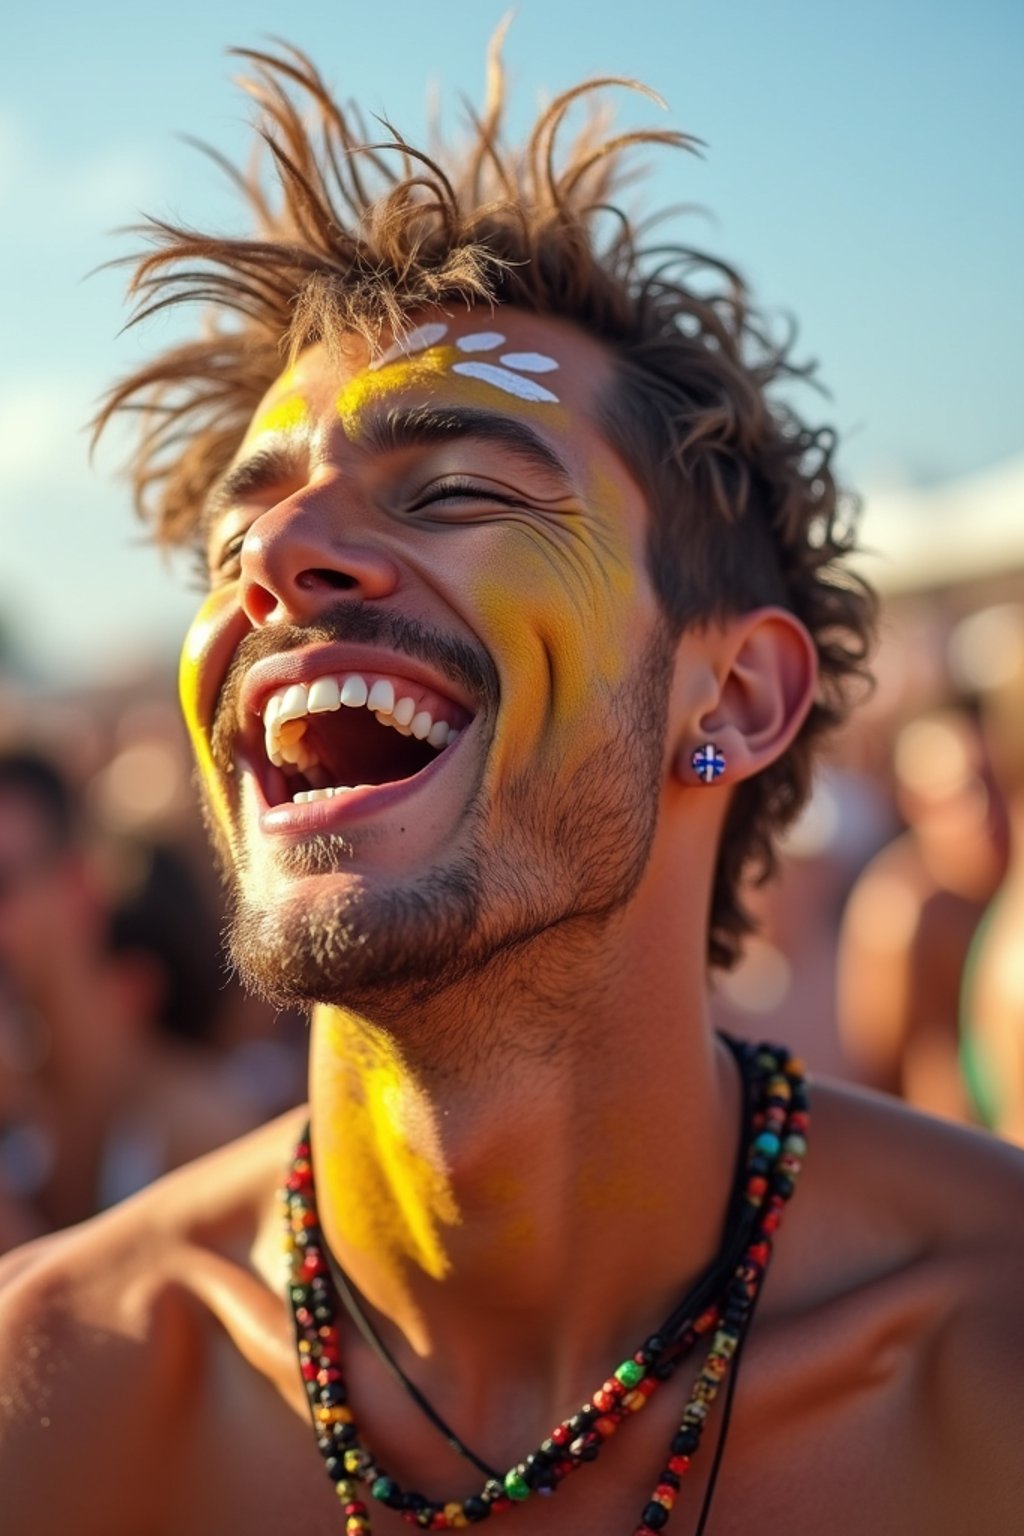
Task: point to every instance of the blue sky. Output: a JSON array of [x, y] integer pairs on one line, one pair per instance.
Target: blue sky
[[863, 170]]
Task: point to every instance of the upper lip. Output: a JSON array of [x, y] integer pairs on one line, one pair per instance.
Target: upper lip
[[305, 664]]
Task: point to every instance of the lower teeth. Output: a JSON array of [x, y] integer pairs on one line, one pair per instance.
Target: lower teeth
[[303, 796]]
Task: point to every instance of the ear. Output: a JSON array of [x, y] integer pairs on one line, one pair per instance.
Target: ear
[[760, 671]]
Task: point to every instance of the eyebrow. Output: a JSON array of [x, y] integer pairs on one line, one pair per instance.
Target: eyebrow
[[263, 469], [425, 425], [387, 432]]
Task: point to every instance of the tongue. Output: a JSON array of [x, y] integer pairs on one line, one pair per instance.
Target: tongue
[[354, 748]]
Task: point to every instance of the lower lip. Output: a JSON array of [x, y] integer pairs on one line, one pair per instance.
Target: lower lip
[[358, 804]]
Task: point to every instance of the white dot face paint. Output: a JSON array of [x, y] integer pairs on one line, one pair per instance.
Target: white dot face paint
[[529, 362], [505, 379], [480, 341], [417, 340], [507, 374]]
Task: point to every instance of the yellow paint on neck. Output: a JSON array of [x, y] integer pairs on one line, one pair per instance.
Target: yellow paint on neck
[[189, 676], [384, 1189]]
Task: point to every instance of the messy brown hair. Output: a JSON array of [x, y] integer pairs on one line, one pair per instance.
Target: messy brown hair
[[356, 236]]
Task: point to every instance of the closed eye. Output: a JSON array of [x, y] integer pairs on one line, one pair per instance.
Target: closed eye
[[223, 565], [456, 489]]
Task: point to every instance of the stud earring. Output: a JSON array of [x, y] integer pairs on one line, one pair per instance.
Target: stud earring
[[708, 762]]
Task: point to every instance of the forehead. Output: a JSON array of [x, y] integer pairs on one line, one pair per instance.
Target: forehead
[[500, 359]]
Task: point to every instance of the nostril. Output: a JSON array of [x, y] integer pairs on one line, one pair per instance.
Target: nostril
[[340, 581]]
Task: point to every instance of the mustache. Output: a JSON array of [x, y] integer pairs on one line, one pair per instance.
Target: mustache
[[355, 623]]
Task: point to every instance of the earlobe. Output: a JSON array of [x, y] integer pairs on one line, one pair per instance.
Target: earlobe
[[766, 669]]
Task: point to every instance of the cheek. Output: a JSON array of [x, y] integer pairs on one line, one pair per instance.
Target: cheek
[[197, 689], [556, 616]]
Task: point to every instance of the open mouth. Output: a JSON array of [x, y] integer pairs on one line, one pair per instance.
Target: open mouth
[[349, 731]]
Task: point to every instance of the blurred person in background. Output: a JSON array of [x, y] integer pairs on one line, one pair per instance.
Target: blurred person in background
[[113, 982], [913, 913], [51, 925], [991, 646]]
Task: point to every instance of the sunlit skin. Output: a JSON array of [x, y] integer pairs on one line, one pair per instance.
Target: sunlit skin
[[549, 578]]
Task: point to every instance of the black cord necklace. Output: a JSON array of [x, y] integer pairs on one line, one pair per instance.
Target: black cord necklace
[[719, 1306], [730, 1250]]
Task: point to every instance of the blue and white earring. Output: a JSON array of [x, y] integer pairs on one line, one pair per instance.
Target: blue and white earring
[[708, 762]]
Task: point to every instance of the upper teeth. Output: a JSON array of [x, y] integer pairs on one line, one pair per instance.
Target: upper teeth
[[286, 711]]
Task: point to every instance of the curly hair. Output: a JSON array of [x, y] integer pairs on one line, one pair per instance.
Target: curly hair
[[356, 236]]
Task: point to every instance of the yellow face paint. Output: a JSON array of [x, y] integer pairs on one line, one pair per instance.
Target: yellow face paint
[[373, 385], [383, 1173], [190, 673], [284, 416]]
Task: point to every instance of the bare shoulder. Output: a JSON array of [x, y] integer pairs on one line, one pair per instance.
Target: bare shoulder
[[102, 1335], [907, 1257]]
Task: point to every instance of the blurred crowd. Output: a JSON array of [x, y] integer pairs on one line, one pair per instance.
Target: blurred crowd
[[126, 1048], [890, 951]]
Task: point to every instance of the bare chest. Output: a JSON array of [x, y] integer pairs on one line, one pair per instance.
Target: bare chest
[[827, 1437]]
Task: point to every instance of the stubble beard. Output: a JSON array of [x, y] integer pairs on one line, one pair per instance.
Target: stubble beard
[[553, 850]]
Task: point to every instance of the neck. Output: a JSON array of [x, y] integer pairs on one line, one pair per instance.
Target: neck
[[523, 1189]]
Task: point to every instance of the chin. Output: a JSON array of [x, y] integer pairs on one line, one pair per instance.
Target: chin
[[357, 946]]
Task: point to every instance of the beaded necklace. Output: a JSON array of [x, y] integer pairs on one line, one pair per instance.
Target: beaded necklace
[[719, 1306]]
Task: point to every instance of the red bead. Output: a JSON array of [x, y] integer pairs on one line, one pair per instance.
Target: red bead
[[678, 1464], [602, 1401], [308, 1369], [560, 1435], [605, 1426], [355, 1508]]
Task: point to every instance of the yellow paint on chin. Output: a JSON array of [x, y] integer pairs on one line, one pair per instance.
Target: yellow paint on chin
[[193, 652], [380, 1167], [285, 416]]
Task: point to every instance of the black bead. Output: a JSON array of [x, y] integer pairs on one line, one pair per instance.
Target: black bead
[[783, 1185], [475, 1509], [654, 1345], [335, 1468], [493, 1490], [323, 1314], [672, 1479], [664, 1369], [656, 1516], [333, 1394], [685, 1442]]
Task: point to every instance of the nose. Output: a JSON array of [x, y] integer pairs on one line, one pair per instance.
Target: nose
[[299, 557]]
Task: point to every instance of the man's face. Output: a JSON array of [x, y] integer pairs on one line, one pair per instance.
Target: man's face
[[427, 690]]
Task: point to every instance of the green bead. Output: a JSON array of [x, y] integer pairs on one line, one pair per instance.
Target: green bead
[[629, 1373], [383, 1488], [516, 1485]]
